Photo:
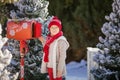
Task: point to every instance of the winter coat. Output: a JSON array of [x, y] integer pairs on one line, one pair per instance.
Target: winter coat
[[57, 56]]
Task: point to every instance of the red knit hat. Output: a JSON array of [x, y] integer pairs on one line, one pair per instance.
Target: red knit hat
[[55, 21]]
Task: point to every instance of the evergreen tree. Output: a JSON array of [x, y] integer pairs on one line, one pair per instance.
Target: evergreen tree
[[108, 57], [5, 59], [3, 10], [8, 1], [30, 10]]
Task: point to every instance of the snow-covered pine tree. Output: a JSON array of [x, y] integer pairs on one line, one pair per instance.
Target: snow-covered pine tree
[[31, 10], [5, 59], [108, 58]]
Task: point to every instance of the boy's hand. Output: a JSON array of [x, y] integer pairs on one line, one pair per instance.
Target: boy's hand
[[59, 74], [41, 39]]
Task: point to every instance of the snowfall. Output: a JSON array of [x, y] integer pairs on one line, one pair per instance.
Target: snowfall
[[77, 70]]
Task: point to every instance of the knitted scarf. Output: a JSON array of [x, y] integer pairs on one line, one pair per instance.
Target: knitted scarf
[[49, 40]]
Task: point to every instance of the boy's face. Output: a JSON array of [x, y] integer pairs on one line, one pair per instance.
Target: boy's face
[[54, 29]]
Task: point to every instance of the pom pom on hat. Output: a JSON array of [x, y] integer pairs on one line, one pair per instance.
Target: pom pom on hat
[[55, 21]]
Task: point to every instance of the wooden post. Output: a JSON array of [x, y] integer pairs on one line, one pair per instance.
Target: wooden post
[[90, 63]]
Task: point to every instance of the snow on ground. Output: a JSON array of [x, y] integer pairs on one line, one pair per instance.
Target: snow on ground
[[77, 71]]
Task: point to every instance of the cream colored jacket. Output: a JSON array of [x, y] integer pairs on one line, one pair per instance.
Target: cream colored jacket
[[57, 56]]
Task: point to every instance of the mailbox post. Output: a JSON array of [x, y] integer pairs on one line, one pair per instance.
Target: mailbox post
[[23, 30]]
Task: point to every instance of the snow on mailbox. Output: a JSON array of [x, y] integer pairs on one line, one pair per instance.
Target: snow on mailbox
[[23, 30]]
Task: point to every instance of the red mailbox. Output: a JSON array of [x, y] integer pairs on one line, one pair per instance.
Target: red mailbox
[[23, 30]]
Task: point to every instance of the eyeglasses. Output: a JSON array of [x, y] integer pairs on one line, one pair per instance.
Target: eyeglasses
[[54, 27]]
